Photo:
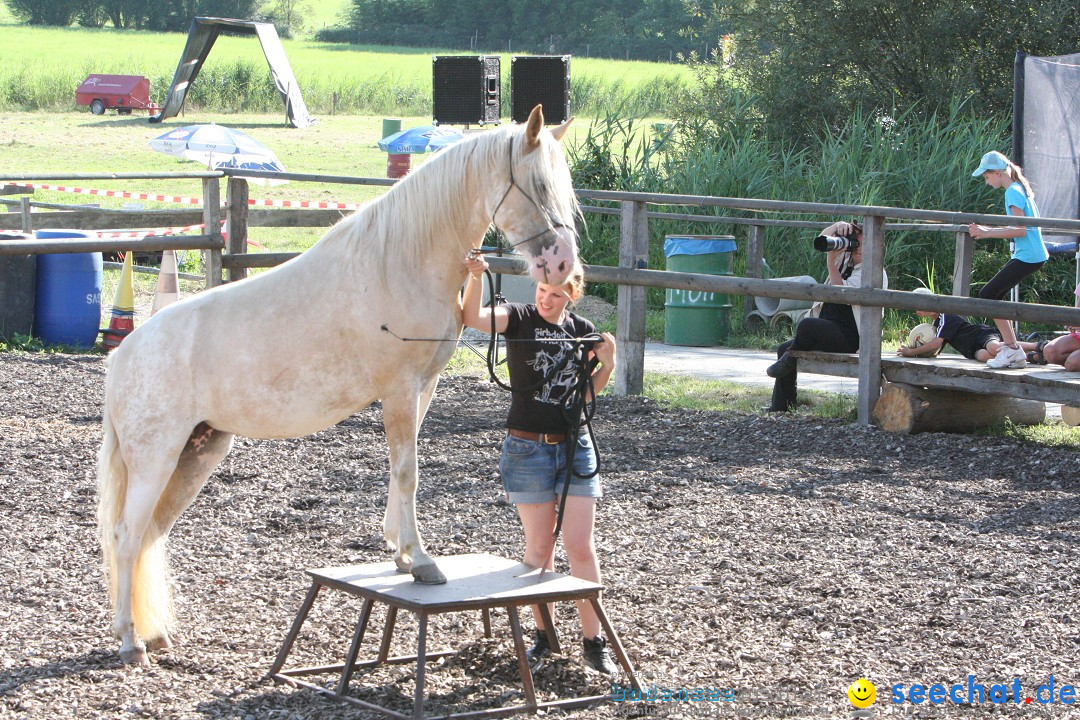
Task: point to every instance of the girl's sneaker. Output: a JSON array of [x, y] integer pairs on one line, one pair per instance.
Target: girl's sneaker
[[1008, 357], [596, 655]]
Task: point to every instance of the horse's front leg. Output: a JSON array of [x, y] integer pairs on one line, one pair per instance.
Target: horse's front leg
[[401, 417]]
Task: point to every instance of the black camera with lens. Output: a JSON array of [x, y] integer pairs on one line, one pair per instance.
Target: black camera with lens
[[849, 243]]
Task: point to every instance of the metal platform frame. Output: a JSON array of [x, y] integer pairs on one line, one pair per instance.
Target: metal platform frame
[[474, 582]]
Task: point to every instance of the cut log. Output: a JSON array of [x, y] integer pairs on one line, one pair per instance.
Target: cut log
[[908, 409], [1070, 414]]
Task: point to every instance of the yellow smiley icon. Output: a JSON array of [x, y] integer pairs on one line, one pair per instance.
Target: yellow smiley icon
[[862, 693]]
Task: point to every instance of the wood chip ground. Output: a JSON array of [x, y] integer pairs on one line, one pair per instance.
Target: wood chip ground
[[781, 558]]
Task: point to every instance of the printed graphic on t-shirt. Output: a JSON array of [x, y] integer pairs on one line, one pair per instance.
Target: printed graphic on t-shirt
[[547, 358]]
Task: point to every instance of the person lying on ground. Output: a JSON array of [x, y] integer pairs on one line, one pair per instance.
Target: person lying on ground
[[974, 341]]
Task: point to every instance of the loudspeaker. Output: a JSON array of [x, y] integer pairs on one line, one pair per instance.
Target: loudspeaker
[[540, 79], [465, 89]]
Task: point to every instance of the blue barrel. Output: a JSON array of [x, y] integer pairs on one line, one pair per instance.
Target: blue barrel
[[67, 307]]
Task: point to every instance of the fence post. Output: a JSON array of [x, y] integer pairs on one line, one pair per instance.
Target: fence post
[[630, 322], [965, 248], [212, 222], [24, 215], [236, 220], [755, 254], [873, 262]]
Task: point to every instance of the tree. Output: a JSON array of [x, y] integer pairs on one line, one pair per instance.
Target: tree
[[124, 13], [44, 12], [289, 15], [648, 28], [811, 64], [239, 9]]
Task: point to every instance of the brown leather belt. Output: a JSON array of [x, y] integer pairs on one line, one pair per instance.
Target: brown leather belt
[[546, 438]]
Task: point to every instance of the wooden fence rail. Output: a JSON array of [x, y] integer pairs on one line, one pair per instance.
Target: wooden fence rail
[[631, 276], [81, 245]]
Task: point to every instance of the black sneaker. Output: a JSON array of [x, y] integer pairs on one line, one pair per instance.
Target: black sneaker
[[783, 367], [539, 651], [596, 655]]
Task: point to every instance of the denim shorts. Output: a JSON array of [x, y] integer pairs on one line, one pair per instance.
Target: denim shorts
[[535, 472]]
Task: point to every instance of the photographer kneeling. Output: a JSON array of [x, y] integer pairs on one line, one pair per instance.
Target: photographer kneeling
[[835, 327]]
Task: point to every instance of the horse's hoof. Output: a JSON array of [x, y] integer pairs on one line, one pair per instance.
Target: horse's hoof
[[135, 656], [428, 575], [402, 566], [160, 643]]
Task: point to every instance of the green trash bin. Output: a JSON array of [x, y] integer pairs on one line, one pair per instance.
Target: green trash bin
[[694, 317]]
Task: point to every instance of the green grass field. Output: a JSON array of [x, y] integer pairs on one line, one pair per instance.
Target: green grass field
[[83, 143], [43, 66], [320, 14], [76, 49], [50, 143]]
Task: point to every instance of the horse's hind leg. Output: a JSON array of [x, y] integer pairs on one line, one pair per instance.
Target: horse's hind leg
[[401, 418], [141, 590], [204, 450]]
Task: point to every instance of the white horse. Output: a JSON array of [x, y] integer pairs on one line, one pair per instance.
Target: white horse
[[297, 349]]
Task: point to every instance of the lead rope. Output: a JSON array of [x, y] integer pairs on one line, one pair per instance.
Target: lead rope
[[576, 408]]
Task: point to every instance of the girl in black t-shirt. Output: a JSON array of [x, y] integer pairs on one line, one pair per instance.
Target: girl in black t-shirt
[[534, 457]]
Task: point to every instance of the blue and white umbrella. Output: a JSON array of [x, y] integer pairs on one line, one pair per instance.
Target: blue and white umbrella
[[428, 138], [217, 146]]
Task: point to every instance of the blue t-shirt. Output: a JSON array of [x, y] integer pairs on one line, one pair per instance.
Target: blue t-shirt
[[1029, 247]]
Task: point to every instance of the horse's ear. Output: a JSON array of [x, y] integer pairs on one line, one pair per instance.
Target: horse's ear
[[559, 130], [534, 125]]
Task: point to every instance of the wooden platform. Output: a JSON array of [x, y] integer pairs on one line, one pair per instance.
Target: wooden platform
[[1048, 383], [474, 582]]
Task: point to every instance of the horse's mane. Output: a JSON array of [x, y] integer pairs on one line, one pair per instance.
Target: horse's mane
[[427, 205]]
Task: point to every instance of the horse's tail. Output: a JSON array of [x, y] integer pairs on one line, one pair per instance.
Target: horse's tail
[[151, 604]]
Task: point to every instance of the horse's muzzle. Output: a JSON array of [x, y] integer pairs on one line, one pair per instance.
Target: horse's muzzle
[[556, 257]]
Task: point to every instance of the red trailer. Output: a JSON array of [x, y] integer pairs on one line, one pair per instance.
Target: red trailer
[[123, 92]]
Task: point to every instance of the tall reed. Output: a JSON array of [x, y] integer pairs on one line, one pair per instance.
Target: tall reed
[[894, 159]]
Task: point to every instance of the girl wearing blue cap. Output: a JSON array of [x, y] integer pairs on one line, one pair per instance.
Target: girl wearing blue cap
[[1029, 253]]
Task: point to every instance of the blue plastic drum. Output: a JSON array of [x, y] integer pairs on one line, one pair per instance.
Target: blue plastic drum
[[67, 307]]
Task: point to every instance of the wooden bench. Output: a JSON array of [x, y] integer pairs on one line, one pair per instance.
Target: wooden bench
[[952, 393]]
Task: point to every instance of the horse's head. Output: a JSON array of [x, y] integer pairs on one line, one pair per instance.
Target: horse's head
[[538, 209]]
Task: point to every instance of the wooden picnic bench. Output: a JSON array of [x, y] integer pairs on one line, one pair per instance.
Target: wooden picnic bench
[[951, 393]]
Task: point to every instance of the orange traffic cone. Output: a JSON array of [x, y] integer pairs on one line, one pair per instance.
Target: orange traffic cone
[[168, 283], [123, 312]]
